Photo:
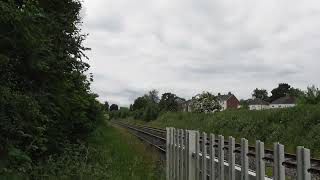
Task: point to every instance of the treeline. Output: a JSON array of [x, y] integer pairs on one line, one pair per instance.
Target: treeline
[[309, 96], [149, 106], [146, 107], [46, 104]]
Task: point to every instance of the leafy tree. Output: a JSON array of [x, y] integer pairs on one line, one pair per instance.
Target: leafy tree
[[151, 112], [312, 95], [46, 101], [140, 103], [282, 90], [168, 102], [295, 92], [153, 96], [205, 102], [244, 104], [114, 107], [146, 107], [261, 94], [123, 112], [106, 106]]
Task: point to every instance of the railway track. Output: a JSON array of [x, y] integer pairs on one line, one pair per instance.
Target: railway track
[[157, 138], [153, 136]]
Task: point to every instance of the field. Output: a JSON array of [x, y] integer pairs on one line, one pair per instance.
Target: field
[[292, 127]]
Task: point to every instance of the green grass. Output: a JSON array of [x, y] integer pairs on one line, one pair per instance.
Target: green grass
[[123, 155], [111, 153], [292, 127]]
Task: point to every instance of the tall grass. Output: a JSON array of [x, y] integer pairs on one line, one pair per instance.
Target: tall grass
[[122, 156], [111, 153], [293, 126]]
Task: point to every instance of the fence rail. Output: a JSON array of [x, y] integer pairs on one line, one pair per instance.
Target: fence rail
[[192, 155]]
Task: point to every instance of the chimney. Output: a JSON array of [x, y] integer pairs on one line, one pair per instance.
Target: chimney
[[229, 93]]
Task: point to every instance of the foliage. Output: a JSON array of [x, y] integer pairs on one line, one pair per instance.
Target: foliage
[[45, 101], [140, 103], [106, 106], [205, 102], [114, 107], [110, 154], [312, 96], [151, 112], [153, 96], [291, 126], [168, 102], [295, 92], [282, 90], [261, 94], [145, 107], [244, 104], [123, 112]]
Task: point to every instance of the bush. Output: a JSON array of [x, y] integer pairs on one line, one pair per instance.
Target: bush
[[45, 103]]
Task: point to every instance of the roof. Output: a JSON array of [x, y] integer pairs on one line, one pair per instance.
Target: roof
[[186, 102], [180, 100], [258, 101], [224, 97], [285, 100]]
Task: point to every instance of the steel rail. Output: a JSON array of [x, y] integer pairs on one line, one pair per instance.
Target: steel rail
[[158, 130], [143, 138], [144, 132]]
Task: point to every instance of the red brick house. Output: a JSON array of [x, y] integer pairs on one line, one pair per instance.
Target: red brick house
[[228, 101]]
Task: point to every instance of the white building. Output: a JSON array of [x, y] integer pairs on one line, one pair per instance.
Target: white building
[[283, 102], [258, 104], [187, 106]]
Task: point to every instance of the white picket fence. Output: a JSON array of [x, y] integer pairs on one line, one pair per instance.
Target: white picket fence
[[194, 156]]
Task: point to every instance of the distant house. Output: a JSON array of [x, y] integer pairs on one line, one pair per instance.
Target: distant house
[[284, 102], [258, 104], [228, 101], [181, 103], [187, 106]]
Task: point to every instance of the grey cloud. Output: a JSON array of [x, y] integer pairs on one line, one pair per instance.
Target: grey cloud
[[111, 24], [186, 46]]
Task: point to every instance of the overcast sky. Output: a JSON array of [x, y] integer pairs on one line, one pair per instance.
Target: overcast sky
[[190, 46]]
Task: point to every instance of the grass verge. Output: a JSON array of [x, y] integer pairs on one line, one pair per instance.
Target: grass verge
[[122, 155], [111, 153]]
